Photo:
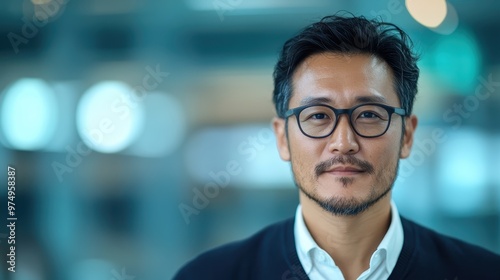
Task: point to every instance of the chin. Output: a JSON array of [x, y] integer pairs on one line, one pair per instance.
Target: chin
[[344, 184], [340, 194], [345, 195]]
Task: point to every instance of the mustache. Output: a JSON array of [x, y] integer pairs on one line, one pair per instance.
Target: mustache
[[351, 160]]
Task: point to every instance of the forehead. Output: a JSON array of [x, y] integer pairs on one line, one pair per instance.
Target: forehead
[[343, 81]]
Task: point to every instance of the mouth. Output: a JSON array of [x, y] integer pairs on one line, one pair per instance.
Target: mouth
[[345, 171], [344, 167]]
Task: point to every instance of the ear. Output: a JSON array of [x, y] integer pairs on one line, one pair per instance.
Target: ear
[[281, 138], [411, 125]]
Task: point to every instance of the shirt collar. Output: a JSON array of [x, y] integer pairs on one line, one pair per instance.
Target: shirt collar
[[392, 242], [304, 243], [390, 246]]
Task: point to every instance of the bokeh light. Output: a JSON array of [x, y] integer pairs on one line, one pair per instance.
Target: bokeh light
[[450, 22], [109, 117], [463, 172], [29, 114], [456, 60], [495, 167], [251, 148], [429, 13]]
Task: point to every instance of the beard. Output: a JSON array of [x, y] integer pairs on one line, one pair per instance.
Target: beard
[[342, 206]]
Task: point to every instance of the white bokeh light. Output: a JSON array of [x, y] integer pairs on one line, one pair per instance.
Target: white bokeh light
[[28, 114], [429, 13], [462, 168], [495, 167], [450, 22], [109, 117], [252, 149]]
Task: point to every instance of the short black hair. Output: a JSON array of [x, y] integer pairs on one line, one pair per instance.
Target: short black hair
[[349, 35]]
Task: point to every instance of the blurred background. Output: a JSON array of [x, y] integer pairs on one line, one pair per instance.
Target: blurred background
[[140, 130]]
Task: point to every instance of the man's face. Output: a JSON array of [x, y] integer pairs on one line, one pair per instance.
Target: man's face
[[344, 173]]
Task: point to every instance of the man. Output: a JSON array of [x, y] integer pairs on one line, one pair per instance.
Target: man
[[344, 92]]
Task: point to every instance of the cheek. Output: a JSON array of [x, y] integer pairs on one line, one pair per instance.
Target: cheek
[[305, 154], [386, 151]]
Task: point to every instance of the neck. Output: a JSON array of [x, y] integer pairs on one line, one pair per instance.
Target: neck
[[349, 240]]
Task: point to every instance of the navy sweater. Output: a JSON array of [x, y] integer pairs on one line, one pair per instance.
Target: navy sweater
[[271, 254]]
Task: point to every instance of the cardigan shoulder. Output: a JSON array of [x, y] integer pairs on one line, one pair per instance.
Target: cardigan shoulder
[[271, 254], [263, 254], [444, 257]]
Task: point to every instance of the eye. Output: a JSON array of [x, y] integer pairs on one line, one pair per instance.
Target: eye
[[369, 115], [319, 116], [316, 114]]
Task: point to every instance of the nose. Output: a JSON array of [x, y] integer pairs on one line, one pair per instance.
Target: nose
[[343, 140]]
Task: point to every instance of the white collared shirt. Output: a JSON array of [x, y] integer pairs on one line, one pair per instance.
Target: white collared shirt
[[318, 264]]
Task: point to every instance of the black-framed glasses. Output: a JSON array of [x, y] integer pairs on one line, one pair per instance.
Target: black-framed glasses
[[367, 120]]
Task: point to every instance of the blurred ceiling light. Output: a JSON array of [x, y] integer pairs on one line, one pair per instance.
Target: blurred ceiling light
[[450, 23], [496, 166], [212, 152], [164, 127], [457, 60], [266, 170], [429, 13], [462, 169], [109, 117], [28, 114]]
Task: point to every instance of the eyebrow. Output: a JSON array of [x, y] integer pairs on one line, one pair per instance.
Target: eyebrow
[[358, 100], [371, 99], [315, 100]]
